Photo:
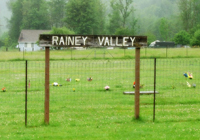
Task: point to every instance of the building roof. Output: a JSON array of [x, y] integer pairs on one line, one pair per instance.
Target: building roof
[[30, 36]]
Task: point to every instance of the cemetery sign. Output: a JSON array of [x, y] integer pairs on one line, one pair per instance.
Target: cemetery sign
[[47, 40]]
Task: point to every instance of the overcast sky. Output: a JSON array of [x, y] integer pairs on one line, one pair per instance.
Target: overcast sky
[[138, 5]]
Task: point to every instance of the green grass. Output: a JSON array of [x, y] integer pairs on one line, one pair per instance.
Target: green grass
[[91, 54], [93, 113]]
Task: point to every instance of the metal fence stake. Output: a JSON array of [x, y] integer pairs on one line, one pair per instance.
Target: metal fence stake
[[26, 73], [137, 82], [154, 98]]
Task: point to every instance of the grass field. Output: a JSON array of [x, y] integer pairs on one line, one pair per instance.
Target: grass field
[[94, 113], [90, 53]]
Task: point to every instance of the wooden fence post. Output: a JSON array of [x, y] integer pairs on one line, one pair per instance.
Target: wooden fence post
[[46, 104], [137, 82]]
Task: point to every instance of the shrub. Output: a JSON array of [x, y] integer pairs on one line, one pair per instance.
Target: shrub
[[195, 41], [122, 31], [182, 38]]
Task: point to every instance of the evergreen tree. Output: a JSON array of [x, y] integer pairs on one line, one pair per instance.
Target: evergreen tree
[[15, 22], [114, 18], [189, 13], [57, 12], [164, 29], [85, 16], [35, 15]]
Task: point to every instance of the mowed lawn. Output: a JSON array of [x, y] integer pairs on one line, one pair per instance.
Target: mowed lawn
[[99, 53], [91, 112]]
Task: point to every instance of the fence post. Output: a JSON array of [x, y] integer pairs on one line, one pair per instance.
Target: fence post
[[26, 73], [154, 98], [145, 51], [95, 53], [23, 53], [46, 103], [124, 51], [186, 51], [71, 53], [137, 82]]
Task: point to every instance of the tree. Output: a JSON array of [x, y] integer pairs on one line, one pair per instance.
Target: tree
[[14, 24], [122, 31], [62, 30], [196, 39], [35, 15], [182, 38], [120, 14], [164, 8], [194, 29], [114, 18], [195, 13], [57, 12], [164, 29], [2, 40], [85, 16], [125, 10], [151, 37], [189, 13], [150, 11], [1, 43], [6, 40]]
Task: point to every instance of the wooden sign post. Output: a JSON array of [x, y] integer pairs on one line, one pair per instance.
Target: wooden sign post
[[46, 102], [49, 40], [137, 83]]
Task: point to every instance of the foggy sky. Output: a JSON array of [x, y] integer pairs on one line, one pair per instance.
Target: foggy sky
[[4, 13], [142, 9]]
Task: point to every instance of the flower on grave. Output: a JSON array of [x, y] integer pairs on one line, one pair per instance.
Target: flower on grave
[[107, 87]]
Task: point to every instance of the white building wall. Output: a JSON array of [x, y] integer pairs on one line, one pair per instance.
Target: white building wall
[[29, 47]]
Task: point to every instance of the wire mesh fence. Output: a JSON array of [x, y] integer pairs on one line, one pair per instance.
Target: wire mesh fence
[[98, 53], [77, 90], [179, 94]]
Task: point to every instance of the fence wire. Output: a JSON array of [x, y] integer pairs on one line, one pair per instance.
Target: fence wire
[[97, 53], [76, 96], [179, 95]]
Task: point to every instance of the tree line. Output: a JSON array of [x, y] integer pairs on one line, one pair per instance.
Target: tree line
[[117, 17]]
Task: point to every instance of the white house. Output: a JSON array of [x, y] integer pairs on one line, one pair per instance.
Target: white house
[[28, 40]]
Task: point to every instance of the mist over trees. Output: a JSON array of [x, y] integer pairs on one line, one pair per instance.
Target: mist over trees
[[85, 16], [121, 18], [165, 20]]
